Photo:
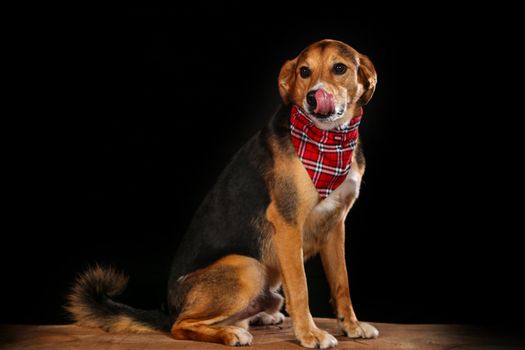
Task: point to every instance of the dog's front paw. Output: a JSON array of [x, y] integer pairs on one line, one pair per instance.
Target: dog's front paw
[[317, 338], [359, 330]]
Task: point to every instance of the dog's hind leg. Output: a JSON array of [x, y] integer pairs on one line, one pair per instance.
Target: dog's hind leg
[[267, 318], [220, 298]]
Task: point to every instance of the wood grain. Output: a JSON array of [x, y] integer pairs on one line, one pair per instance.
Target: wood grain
[[392, 337]]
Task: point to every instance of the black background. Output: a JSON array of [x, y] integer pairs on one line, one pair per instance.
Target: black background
[[128, 115]]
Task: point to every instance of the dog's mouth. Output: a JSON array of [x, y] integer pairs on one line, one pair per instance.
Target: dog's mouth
[[323, 107], [323, 103], [336, 114]]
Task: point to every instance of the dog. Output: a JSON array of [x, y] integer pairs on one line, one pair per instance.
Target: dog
[[269, 211]]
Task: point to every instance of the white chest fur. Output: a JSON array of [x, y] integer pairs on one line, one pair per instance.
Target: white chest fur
[[331, 211], [343, 196]]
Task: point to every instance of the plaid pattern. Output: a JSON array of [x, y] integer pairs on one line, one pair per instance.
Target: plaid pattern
[[326, 155]]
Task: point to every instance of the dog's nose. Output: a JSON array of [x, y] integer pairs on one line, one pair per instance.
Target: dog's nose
[[310, 98]]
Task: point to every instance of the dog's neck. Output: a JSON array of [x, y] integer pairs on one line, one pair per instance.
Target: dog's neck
[[340, 125], [325, 154]]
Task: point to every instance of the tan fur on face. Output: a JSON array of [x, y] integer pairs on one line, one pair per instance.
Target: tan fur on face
[[352, 89]]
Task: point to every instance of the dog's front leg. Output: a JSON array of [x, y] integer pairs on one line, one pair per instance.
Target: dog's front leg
[[287, 243], [333, 259]]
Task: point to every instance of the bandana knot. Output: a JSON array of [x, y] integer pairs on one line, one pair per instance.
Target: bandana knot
[[325, 154]]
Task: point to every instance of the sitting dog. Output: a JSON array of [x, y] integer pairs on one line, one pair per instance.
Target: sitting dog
[[282, 199]]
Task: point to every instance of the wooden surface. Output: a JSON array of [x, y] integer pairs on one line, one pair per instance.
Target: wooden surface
[[391, 337]]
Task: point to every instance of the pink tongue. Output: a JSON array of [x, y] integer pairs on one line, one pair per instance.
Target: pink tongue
[[325, 102]]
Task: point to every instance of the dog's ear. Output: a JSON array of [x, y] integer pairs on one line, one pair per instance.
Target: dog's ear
[[367, 77], [287, 80]]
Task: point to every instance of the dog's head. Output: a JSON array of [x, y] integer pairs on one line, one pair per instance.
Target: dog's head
[[330, 81]]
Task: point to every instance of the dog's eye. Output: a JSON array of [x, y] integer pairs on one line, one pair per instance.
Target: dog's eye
[[305, 72], [339, 69]]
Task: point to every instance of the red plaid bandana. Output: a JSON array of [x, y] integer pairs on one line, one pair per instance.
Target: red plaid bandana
[[326, 155]]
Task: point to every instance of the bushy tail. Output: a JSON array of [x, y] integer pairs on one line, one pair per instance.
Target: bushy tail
[[90, 304]]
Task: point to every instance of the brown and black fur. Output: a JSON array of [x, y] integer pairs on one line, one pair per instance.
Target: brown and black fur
[[251, 234]]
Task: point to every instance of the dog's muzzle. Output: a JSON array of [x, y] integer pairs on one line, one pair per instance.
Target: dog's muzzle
[[321, 101]]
